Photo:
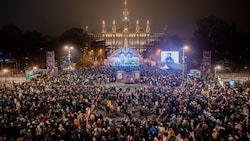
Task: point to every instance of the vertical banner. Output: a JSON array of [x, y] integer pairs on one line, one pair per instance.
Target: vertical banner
[[56, 71], [137, 76], [119, 76], [50, 61], [28, 75], [206, 64]]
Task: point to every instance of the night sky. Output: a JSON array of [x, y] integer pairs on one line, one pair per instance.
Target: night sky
[[53, 17]]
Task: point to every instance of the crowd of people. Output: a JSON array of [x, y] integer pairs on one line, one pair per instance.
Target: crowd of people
[[87, 105]]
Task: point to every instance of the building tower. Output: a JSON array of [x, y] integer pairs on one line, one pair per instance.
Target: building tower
[[125, 18], [137, 38], [113, 27], [103, 27]]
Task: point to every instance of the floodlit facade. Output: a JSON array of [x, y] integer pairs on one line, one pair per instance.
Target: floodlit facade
[[137, 37]]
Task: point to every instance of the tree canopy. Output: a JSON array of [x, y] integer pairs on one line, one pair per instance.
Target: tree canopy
[[222, 39]]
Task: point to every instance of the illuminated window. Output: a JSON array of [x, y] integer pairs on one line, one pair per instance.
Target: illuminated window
[[131, 35]]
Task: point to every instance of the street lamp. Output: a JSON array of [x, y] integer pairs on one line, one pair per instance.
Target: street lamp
[[215, 70], [158, 54], [183, 61], [5, 71], [34, 67], [69, 55]]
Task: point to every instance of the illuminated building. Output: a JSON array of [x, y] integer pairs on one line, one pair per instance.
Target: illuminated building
[[137, 38]]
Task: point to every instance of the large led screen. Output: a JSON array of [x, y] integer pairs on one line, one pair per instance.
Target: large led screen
[[170, 56], [125, 57]]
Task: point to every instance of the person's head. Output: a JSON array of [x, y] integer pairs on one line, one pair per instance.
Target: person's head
[[169, 54]]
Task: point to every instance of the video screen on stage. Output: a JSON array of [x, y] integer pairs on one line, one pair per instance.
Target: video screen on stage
[[170, 56], [125, 60], [125, 57]]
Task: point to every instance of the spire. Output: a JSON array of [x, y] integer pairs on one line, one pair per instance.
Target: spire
[[125, 18], [147, 27], [103, 27], [113, 27], [125, 11], [137, 28]]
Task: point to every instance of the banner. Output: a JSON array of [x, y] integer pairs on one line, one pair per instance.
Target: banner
[[206, 64], [50, 61], [137, 76], [206, 54], [28, 74]]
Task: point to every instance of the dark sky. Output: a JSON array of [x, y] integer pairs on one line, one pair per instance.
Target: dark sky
[[53, 17]]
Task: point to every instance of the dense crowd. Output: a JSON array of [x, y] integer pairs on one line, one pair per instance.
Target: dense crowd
[[162, 108]]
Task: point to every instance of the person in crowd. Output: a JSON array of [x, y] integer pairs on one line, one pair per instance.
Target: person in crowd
[[169, 58], [162, 108]]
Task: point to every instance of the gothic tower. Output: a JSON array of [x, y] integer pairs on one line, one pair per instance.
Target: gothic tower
[[125, 18], [136, 37]]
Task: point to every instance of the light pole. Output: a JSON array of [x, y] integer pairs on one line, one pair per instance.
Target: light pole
[[35, 68], [183, 61], [5, 71], [158, 55], [215, 70], [69, 55]]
